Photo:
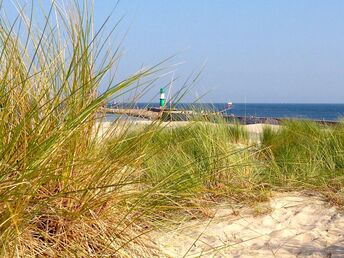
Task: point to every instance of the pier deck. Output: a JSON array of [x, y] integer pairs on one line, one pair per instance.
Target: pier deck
[[186, 115]]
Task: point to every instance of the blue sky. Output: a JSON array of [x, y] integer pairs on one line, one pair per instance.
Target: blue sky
[[264, 51], [285, 51]]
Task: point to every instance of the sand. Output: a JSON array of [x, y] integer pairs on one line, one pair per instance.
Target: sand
[[254, 130], [258, 128], [297, 225]]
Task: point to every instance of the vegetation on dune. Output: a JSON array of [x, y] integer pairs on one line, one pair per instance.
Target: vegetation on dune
[[63, 190], [196, 161], [306, 155], [58, 195]]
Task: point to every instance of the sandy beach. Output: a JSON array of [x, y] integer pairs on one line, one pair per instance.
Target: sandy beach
[[294, 225]]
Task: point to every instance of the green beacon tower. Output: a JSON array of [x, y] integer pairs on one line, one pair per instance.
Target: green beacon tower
[[162, 98]]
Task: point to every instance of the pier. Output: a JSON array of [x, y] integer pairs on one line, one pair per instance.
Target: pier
[[134, 112], [165, 114]]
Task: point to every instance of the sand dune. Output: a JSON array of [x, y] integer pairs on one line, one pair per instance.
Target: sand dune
[[296, 226], [254, 130]]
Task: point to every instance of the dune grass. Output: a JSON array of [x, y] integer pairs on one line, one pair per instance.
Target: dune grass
[[65, 191], [306, 155], [58, 195], [198, 160]]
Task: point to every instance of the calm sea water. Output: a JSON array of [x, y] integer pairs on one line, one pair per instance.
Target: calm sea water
[[303, 111]]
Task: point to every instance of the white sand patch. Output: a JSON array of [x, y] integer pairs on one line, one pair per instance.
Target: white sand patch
[[297, 226], [258, 128], [118, 127], [254, 130]]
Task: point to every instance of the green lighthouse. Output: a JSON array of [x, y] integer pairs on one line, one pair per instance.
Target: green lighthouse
[[162, 98]]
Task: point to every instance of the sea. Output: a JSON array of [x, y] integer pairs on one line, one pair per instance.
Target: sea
[[328, 112]]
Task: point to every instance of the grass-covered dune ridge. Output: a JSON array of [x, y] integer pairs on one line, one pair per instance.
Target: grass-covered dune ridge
[[306, 155], [189, 163]]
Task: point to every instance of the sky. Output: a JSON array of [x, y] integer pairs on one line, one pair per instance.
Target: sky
[[254, 51]]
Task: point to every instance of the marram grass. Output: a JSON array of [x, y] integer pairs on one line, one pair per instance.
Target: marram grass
[[58, 194], [306, 155], [65, 192]]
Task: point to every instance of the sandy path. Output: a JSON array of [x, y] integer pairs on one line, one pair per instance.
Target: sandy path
[[297, 226]]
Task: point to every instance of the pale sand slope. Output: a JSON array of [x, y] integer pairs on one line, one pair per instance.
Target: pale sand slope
[[297, 226], [258, 128], [121, 125], [254, 130]]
